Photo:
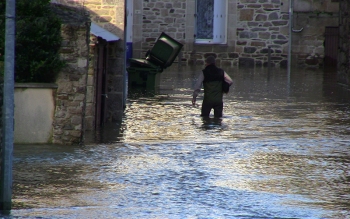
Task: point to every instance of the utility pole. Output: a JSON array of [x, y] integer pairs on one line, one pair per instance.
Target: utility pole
[[8, 110], [290, 44]]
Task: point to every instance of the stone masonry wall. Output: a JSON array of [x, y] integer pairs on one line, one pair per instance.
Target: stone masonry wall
[[115, 80], [262, 24], [109, 15], [90, 86], [265, 23], [343, 74], [308, 46], [259, 24], [163, 16], [312, 16], [253, 27], [68, 127]]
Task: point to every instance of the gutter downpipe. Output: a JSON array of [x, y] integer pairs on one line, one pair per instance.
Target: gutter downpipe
[[125, 76], [8, 110]]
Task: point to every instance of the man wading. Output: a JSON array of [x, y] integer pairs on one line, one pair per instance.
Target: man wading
[[212, 78]]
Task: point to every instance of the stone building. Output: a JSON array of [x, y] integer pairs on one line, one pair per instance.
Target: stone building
[[240, 31], [108, 15], [317, 43], [72, 95]]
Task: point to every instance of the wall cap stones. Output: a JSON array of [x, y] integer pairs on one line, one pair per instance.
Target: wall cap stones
[[36, 85]]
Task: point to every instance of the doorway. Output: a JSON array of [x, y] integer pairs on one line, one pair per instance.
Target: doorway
[[101, 83], [331, 46]]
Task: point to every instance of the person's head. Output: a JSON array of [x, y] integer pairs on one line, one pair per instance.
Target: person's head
[[210, 60]]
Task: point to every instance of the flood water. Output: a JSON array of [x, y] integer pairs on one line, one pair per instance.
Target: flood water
[[282, 150]]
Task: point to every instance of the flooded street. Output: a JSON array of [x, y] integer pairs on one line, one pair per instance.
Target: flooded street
[[282, 150]]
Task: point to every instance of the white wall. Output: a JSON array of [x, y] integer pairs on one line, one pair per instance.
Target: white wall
[[34, 113]]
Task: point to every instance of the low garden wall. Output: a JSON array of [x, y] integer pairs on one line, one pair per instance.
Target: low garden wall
[[34, 112]]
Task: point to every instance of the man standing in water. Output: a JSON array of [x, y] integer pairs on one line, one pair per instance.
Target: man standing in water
[[211, 78]]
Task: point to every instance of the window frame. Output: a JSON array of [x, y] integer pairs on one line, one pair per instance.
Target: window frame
[[219, 32]]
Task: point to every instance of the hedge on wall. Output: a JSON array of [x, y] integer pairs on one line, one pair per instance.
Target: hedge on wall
[[38, 41]]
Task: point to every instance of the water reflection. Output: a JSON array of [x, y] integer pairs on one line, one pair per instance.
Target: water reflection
[[280, 151], [211, 123]]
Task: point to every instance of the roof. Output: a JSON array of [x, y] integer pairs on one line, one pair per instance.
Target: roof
[[103, 33]]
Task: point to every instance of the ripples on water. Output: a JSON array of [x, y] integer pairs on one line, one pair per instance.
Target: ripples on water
[[280, 151]]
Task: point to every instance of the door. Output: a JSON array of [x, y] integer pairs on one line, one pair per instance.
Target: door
[[101, 83], [331, 46]]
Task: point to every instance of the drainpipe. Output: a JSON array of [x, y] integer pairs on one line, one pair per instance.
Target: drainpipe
[[291, 30], [8, 110], [125, 88]]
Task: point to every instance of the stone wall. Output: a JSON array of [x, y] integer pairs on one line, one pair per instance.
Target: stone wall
[[262, 25], [115, 80], [253, 27], [71, 96], [343, 74], [110, 16], [90, 86], [308, 46], [312, 16]]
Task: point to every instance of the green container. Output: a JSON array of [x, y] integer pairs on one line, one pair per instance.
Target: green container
[[143, 72], [142, 77]]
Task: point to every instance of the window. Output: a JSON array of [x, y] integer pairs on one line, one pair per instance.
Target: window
[[211, 21]]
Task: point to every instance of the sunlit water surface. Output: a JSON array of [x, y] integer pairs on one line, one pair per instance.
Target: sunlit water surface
[[282, 150]]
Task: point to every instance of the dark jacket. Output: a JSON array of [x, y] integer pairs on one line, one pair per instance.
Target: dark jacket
[[213, 77]]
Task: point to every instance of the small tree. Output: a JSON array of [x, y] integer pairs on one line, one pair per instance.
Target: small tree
[[38, 41]]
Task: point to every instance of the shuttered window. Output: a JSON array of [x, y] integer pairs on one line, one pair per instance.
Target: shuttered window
[[211, 20]]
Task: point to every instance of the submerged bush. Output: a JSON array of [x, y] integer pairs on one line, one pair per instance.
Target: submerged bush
[[38, 41]]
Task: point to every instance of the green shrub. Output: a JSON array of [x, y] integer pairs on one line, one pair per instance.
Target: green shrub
[[38, 41], [2, 69]]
